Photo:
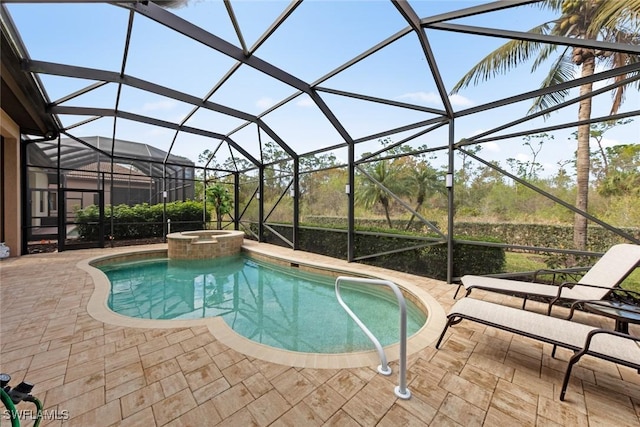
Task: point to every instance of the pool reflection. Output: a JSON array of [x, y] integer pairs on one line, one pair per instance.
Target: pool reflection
[[278, 306]]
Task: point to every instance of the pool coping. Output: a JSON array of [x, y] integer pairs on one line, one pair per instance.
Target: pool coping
[[436, 319]]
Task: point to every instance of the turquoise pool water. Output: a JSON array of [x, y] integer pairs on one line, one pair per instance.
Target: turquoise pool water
[[278, 306]]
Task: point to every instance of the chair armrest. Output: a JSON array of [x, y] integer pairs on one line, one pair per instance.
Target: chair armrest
[[595, 332], [574, 306], [618, 289], [564, 285], [572, 284], [568, 271], [602, 303], [544, 271]]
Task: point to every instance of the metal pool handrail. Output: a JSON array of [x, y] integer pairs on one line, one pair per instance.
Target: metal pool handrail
[[401, 390]]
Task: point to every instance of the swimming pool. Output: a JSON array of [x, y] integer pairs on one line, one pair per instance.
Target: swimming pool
[[279, 306]]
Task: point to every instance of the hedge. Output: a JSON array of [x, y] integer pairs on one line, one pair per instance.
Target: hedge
[[140, 221], [430, 261], [542, 235]]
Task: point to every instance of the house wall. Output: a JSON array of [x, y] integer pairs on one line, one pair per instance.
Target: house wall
[[11, 199], [120, 189], [80, 200], [39, 201]]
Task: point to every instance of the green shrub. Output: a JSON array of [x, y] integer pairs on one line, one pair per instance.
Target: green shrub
[[140, 221], [88, 219], [430, 261]]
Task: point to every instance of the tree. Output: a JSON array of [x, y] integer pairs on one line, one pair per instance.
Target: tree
[[623, 171], [423, 180], [529, 169], [611, 21], [280, 172], [465, 176], [219, 197], [389, 174], [316, 163], [600, 160], [207, 163], [561, 180]]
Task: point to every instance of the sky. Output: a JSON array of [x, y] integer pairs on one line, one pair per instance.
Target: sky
[[317, 38]]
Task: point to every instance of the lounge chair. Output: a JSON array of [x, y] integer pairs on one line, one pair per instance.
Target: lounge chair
[[582, 339], [610, 270]]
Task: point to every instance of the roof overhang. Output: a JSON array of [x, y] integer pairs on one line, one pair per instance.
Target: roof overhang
[[21, 98]]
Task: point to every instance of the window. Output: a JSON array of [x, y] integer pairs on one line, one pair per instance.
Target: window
[[53, 202]]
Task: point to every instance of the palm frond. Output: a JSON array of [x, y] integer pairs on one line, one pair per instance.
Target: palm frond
[[618, 96], [613, 60], [545, 53], [172, 4], [611, 14], [561, 71], [554, 5], [503, 59]]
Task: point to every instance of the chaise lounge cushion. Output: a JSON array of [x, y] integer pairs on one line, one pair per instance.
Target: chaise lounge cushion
[[582, 339], [561, 332], [610, 270]]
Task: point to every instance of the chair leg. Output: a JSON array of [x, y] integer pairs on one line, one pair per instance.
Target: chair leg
[[449, 323], [457, 290], [567, 374]]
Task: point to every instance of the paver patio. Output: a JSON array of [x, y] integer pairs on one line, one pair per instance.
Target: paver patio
[[106, 375]]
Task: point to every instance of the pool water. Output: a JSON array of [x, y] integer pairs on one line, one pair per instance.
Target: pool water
[[279, 306]]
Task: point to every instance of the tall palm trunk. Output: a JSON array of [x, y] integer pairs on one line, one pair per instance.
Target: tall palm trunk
[[419, 203], [385, 203], [219, 218], [582, 158]]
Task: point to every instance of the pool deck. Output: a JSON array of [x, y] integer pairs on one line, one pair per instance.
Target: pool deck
[[104, 374]]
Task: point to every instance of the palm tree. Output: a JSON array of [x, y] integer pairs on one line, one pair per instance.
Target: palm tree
[[221, 200], [612, 21], [423, 180], [390, 175]]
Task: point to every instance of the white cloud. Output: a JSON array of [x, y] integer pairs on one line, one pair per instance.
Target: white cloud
[[460, 101], [305, 102], [425, 97], [491, 146], [433, 98], [265, 102], [158, 106], [523, 157]]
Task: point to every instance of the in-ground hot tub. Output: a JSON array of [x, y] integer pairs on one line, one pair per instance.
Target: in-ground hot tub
[[204, 244]]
